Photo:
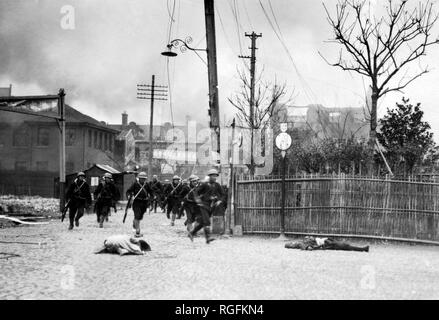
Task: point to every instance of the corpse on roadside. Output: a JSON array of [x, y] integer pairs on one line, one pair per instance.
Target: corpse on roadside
[[315, 243], [123, 245]]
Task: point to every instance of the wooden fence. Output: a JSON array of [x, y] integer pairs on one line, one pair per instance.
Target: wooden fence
[[340, 205]]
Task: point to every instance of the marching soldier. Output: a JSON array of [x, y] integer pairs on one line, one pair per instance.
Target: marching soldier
[[78, 195], [141, 192], [189, 204], [173, 198], [208, 196], [106, 194], [166, 183], [157, 190]]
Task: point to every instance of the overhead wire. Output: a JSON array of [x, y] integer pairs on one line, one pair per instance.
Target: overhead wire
[[238, 31], [310, 95]]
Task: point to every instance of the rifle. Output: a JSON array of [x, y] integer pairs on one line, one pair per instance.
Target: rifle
[[127, 207], [64, 211]]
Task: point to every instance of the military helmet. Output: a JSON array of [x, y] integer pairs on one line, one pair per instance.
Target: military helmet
[[81, 174], [154, 176], [142, 175], [108, 175], [213, 172], [193, 178], [175, 177]]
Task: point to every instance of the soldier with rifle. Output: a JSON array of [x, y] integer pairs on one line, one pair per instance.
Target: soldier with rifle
[[106, 195], [189, 204], [173, 198], [208, 195], [141, 192], [157, 190], [78, 197]]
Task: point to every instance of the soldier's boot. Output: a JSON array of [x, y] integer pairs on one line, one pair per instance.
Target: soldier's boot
[[77, 222], [207, 235], [173, 219], [101, 221], [71, 226]]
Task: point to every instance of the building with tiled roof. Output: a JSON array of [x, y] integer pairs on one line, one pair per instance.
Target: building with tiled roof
[[29, 148]]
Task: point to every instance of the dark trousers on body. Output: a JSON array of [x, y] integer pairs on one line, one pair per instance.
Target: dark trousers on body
[[76, 211], [139, 208], [172, 206], [201, 218], [331, 244], [102, 211]]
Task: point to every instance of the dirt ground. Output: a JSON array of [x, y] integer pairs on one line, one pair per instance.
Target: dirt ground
[[55, 263]]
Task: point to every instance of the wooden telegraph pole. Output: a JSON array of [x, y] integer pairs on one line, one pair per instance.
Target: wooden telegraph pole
[[253, 36], [151, 92], [62, 149], [209, 13], [230, 195]]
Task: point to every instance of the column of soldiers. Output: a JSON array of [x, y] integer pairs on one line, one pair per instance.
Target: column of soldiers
[[193, 198]]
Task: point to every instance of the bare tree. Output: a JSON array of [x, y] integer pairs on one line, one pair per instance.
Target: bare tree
[[267, 97], [382, 48]]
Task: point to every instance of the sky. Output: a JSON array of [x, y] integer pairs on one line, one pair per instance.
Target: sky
[[110, 46]]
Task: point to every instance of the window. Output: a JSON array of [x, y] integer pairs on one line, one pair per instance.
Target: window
[[20, 137], [42, 166], [70, 137], [95, 139], [20, 165], [100, 140], [90, 137], [70, 167], [43, 137]]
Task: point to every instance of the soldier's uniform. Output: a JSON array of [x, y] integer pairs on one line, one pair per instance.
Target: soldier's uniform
[[189, 204], [164, 195], [157, 190], [173, 198], [106, 194], [208, 196], [142, 193], [79, 196]]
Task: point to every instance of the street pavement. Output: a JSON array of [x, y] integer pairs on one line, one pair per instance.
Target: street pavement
[[55, 263]]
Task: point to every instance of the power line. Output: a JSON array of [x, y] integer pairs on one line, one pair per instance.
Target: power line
[[307, 89], [238, 31], [248, 16], [224, 30]]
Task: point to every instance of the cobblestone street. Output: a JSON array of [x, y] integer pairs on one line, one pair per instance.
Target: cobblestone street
[[64, 266]]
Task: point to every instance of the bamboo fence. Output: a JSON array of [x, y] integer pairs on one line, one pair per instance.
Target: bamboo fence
[[340, 205]]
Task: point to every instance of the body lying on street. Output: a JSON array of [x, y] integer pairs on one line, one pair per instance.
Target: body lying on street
[[315, 243], [123, 245]]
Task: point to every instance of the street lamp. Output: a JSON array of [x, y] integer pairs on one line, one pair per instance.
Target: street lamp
[[183, 44]]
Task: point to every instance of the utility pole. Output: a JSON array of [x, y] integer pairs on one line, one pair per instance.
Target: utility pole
[[253, 36], [209, 13], [230, 196], [62, 148], [151, 92]]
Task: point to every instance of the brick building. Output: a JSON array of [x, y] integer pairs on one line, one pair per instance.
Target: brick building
[[29, 150]]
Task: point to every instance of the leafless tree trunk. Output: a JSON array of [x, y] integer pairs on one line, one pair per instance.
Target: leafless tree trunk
[[380, 48], [267, 97]]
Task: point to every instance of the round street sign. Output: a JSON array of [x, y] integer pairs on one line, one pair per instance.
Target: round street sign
[[283, 141]]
